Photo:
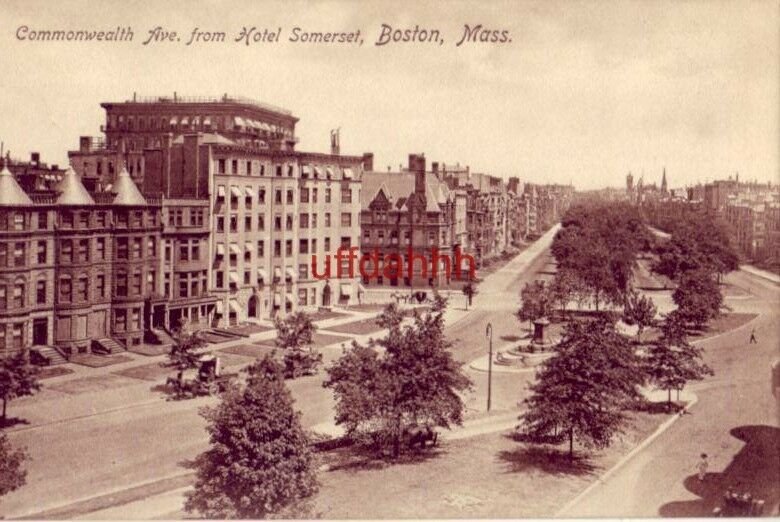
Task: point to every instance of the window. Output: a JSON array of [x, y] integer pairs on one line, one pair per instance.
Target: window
[[41, 252], [302, 297], [304, 220], [304, 195], [247, 277], [19, 254], [40, 292], [327, 244], [184, 251], [18, 221], [121, 218], [290, 171], [83, 219], [261, 248], [289, 197], [234, 166], [100, 248], [120, 320], [167, 285], [81, 289], [220, 279], [277, 222], [278, 197], [67, 219], [84, 250], [278, 171], [136, 288], [121, 248], [17, 333], [288, 247], [248, 223], [346, 195], [327, 219], [313, 245], [261, 196], [261, 222], [66, 290], [43, 220], [277, 248], [303, 272], [327, 195], [138, 218], [248, 167], [195, 254], [151, 247], [314, 195], [3, 255], [135, 322], [3, 297], [314, 221], [221, 166], [150, 282], [121, 284], [303, 246], [137, 248], [220, 224], [100, 285], [346, 219], [289, 222], [234, 223]]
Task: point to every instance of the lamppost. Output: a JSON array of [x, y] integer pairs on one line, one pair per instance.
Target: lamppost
[[489, 335]]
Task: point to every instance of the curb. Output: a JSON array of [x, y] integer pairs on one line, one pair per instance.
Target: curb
[[611, 471]]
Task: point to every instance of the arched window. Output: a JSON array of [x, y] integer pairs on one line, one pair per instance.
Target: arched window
[[66, 289]]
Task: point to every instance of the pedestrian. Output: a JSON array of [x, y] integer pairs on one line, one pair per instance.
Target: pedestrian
[[702, 466], [753, 336]]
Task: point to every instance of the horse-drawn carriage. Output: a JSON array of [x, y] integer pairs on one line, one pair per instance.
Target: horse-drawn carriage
[[209, 380]]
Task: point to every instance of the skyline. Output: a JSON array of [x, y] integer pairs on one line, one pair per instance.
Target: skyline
[[584, 92]]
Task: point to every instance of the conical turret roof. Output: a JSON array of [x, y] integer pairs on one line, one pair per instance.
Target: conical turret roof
[[11, 194], [72, 192], [127, 192]]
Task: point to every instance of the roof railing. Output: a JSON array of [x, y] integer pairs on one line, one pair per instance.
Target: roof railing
[[208, 99]]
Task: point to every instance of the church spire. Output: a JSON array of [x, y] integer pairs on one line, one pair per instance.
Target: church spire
[[663, 182]]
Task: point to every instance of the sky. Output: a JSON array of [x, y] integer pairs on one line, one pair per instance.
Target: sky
[[583, 93]]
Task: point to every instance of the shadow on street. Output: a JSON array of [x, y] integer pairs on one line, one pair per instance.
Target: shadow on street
[[755, 470]]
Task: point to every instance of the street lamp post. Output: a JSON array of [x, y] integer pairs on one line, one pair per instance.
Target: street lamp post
[[489, 335]]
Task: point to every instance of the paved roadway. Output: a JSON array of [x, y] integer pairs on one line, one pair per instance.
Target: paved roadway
[[735, 422], [95, 455]]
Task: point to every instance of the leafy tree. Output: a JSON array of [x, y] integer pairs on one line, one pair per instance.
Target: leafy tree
[[18, 378], [294, 334], [469, 290], [414, 381], [259, 463], [697, 297], [672, 361], [12, 475], [639, 310], [185, 354], [536, 302], [582, 391]]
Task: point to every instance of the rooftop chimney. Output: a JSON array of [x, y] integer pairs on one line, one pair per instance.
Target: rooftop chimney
[[368, 161], [334, 142], [417, 166], [35, 158]]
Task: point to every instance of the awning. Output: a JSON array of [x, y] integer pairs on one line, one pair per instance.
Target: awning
[[346, 290], [277, 273], [220, 307], [207, 120], [277, 300], [291, 274], [249, 246], [221, 191], [220, 249], [265, 126], [317, 172], [235, 191], [234, 248], [234, 306], [185, 121], [262, 275], [329, 171], [306, 170], [249, 192], [348, 173], [288, 298], [234, 277], [238, 120], [173, 120]]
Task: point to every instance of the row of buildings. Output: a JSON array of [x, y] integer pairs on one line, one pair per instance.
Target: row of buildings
[[202, 211]]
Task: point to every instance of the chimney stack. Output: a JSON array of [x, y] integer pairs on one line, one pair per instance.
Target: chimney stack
[[368, 161], [335, 147], [417, 166], [35, 158]]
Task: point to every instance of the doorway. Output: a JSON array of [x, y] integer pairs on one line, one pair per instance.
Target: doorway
[[41, 331]]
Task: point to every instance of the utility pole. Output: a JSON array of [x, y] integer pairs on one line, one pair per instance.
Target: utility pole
[[489, 335]]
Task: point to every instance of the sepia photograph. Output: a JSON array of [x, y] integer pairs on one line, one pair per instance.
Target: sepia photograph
[[330, 259]]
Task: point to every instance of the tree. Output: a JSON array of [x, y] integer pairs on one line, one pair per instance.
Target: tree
[[12, 475], [294, 335], [582, 391], [697, 297], [415, 381], [185, 354], [639, 310], [672, 361], [18, 378], [259, 462], [469, 290], [536, 302]]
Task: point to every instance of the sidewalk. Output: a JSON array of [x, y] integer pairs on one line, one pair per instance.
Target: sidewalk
[[764, 274]]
